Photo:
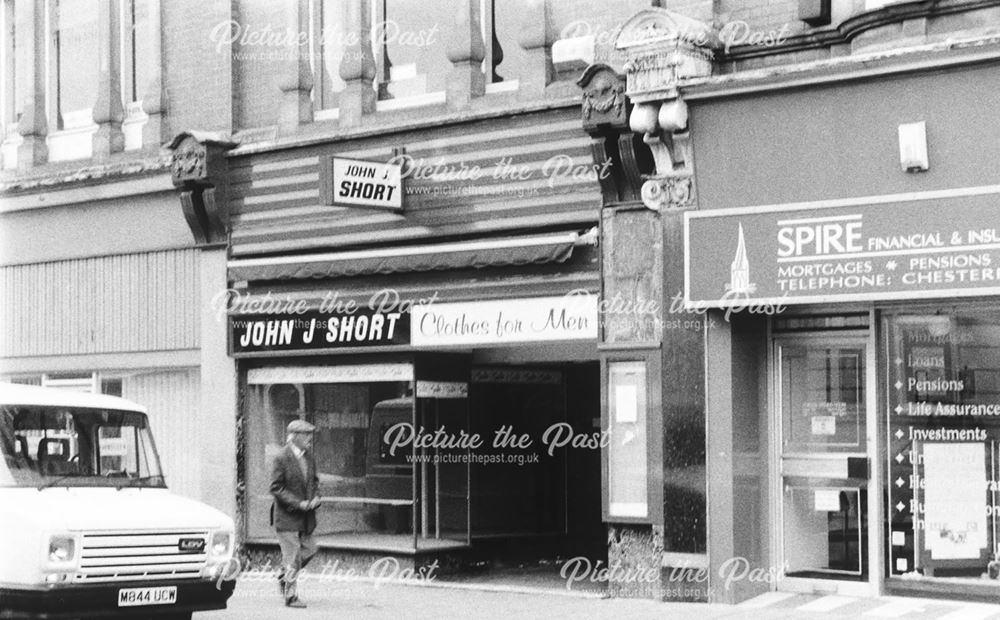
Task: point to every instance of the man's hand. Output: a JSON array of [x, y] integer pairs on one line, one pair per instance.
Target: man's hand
[[314, 503]]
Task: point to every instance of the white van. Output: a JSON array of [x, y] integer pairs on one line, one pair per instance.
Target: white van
[[87, 525]]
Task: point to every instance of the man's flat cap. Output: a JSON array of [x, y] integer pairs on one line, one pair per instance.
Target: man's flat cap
[[300, 426]]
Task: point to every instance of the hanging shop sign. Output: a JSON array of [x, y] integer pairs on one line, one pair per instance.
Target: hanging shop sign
[[357, 183], [938, 245], [318, 330], [539, 319]]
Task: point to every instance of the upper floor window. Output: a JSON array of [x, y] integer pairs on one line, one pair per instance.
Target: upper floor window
[[137, 49], [409, 46], [74, 62], [327, 18], [9, 89], [410, 40]]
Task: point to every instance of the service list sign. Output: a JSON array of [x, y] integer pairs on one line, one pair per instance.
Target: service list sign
[[938, 246]]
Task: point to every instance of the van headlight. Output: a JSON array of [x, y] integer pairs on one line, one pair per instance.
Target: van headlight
[[62, 549], [221, 544]]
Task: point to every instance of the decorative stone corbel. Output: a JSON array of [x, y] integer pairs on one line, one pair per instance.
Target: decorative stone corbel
[[663, 49], [605, 111], [198, 170]]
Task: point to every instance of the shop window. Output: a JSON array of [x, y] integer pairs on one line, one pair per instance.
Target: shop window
[[943, 440], [371, 493]]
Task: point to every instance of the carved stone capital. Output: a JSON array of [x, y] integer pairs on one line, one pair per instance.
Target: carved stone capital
[[662, 47], [671, 192]]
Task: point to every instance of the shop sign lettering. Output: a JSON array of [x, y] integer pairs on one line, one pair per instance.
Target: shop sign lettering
[[930, 247], [569, 317], [356, 183], [317, 330]]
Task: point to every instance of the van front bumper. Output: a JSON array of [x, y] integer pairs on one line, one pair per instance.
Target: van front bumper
[[101, 600]]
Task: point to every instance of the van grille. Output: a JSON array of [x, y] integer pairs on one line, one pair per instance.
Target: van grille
[[136, 556]]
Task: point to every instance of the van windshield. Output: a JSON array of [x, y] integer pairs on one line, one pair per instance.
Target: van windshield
[[70, 446]]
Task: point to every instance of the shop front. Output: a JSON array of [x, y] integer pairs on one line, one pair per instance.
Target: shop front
[[445, 428], [852, 357]]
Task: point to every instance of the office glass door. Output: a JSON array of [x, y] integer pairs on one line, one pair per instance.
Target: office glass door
[[825, 428]]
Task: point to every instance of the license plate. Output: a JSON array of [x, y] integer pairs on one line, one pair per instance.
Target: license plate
[[134, 597]]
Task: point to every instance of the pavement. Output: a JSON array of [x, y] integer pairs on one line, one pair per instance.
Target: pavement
[[365, 599]]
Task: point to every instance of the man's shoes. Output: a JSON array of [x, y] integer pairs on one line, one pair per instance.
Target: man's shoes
[[294, 602]]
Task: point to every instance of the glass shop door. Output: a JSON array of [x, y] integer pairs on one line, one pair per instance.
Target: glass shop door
[[826, 526]]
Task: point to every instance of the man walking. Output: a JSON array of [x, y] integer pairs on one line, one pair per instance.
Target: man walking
[[294, 485]]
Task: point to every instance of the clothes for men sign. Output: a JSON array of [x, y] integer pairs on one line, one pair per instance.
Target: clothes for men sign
[[318, 330], [569, 317], [937, 244]]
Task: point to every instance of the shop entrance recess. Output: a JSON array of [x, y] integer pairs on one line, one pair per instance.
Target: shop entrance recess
[[825, 537]]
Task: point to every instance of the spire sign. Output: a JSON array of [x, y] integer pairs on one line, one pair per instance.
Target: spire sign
[[924, 247]]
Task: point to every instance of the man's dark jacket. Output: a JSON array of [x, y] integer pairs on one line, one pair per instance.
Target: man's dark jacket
[[289, 488]]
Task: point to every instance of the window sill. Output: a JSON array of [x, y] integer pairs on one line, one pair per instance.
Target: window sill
[[414, 101]]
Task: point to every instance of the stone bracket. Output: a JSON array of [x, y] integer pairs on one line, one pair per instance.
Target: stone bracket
[[198, 169]]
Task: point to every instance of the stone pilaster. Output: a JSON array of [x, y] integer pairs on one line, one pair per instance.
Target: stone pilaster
[[30, 18], [154, 100], [536, 38], [296, 82], [357, 68], [640, 124], [466, 52], [108, 110]]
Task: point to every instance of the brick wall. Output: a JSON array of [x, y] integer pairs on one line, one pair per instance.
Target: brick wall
[[197, 76], [257, 68]]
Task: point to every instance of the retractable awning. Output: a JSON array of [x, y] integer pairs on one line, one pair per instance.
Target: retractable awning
[[536, 249]]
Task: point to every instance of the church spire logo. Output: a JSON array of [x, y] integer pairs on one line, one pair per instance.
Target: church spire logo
[[739, 269]]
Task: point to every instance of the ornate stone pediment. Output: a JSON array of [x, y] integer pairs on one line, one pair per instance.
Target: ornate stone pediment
[[663, 47]]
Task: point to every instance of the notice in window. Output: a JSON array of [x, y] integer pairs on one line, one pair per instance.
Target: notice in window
[[954, 500]]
